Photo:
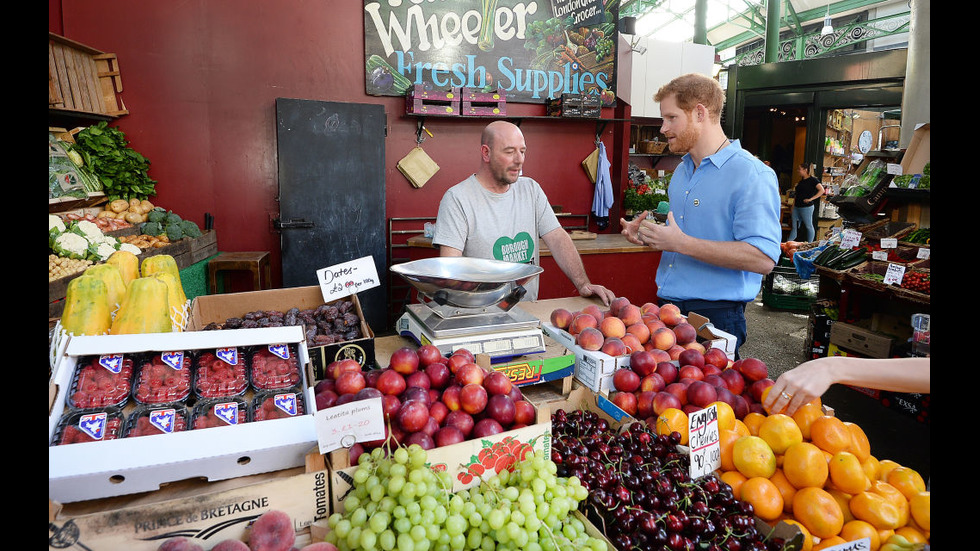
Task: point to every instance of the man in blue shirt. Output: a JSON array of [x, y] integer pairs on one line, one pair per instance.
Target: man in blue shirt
[[722, 233]]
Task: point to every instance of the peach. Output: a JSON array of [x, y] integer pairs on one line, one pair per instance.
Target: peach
[[632, 343], [612, 327], [630, 314], [695, 345], [690, 372], [582, 321], [678, 389], [625, 401], [560, 318], [594, 311], [663, 339], [753, 369], [653, 381], [626, 380], [640, 331], [650, 308], [664, 400], [660, 355], [653, 325], [691, 357], [589, 338], [617, 304], [614, 347], [675, 351], [644, 403], [643, 362], [670, 314], [668, 371], [685, 333], [717, 357]]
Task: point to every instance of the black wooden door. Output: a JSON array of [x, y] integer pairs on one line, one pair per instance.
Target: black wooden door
[[332, 192]]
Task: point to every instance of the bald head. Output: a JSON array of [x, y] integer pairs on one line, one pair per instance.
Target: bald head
[[497, 130], [502, 150]]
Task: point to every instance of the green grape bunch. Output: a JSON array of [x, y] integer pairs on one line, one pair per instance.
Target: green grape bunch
[[400, 503]]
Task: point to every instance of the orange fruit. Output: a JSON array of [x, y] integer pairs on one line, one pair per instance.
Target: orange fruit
[[818, 511], [805, 466], [726, 441], [884, 467], [741, 428], [780, 431], [807, 536], [804, 416], [830, 434], [673, 419], [726, 415], [847, 474], [860, 445], [786, 489], [870, 466], [893, 495], [764, 497], [907, 480], [914, 535], [857, 529], [752, 456], [752, 420], [734, 479], [883, 535], [875, 509], [829, 542], [919, 509], [843, 500]]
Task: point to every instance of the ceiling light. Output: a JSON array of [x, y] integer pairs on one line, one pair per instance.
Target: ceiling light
[[828, 28]]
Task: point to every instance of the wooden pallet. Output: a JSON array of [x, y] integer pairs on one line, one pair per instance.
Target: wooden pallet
[[83, 79]]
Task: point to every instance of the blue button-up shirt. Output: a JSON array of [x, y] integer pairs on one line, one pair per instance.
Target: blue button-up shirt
[[732, 196]]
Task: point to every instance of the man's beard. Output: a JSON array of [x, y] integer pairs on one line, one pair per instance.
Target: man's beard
[[684, 141]]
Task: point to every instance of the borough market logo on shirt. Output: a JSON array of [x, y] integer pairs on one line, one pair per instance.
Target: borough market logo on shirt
[[518, 249]]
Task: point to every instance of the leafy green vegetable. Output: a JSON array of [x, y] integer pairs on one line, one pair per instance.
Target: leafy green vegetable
[[122, 171]]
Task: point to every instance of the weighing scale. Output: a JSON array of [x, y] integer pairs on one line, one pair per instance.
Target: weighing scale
[[470, 303]]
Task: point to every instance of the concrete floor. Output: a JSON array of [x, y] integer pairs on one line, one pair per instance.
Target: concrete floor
[[774, 336]]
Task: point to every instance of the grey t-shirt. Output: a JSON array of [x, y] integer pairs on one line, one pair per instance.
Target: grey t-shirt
[[503, 226]]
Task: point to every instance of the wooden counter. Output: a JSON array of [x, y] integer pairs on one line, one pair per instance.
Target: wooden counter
[[603, 243]]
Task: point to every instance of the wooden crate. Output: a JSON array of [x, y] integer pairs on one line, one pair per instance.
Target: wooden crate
[[83, 79]]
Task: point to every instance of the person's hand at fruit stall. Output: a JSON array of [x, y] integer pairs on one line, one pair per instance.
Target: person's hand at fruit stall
[[812, 378]]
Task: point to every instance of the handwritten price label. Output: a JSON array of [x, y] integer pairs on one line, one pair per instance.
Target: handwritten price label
[[894, 274], [850, 239], [341, 280], [863, 544], [345, 425], [703, 439]]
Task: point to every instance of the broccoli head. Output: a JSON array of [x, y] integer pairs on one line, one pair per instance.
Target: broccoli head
[[174, 232], [190, 229], [151, 228], [158, 215], [172, 218]]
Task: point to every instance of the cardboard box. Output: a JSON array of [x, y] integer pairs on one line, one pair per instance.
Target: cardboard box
[[418, 100], [218, 308], [205, 514], [709, 334], [474, 102], [818, 329], [468, 462], [532, 369], [861, 340], [917, 153], [93, 470]]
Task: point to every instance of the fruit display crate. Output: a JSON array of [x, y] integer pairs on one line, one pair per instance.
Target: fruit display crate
[[884, 229], [82, 79], [784, 289]]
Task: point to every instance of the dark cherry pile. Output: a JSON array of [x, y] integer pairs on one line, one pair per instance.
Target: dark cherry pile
[[641, 491]]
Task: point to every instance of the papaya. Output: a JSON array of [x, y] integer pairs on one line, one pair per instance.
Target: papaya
[[116, 287], [128, 264], [146, 309], [87, 310], [176, 298], [159, 263]]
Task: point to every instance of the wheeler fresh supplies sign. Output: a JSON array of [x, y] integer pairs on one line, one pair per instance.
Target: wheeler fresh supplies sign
[[532, 50]]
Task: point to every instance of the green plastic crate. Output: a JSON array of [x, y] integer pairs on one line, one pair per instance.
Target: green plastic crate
[[777, 299]]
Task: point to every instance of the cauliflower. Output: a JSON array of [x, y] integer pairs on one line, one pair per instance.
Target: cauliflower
[[55, 223], [101, 251], [131, 248], [88, 230], [71, 245]]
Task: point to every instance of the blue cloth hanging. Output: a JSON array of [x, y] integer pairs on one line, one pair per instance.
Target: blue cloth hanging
[[603, 198]]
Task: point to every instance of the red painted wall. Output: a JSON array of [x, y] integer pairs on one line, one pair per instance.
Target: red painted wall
[[200, 79]]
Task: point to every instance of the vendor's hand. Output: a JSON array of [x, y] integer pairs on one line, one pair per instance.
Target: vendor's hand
[[592, 289], [799, 386], [630, 228], [660, 237]]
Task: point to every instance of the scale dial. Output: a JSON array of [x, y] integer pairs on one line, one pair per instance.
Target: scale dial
[[864, 141]]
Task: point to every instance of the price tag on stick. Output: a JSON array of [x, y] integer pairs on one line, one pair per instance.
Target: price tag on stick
[[345, 425], [341, 280], [894, 274], [703, 438]]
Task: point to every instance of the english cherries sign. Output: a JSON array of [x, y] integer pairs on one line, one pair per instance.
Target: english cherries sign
[[530, 49]]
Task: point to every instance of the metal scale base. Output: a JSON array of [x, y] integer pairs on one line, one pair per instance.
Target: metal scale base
[[500, 335]]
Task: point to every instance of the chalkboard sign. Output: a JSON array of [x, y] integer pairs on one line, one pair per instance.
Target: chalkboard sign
[[332, 192], [530, 49]]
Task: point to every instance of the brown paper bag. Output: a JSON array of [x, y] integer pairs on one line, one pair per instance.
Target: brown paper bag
[[418, 167], [591, 164]]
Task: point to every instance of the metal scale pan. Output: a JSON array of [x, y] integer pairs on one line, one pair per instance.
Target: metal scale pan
[[465, 296]]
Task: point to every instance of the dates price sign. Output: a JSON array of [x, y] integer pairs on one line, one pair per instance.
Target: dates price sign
[[345, 425], [703, 438], [341, 280]]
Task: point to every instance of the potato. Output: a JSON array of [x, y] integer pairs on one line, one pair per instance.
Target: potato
[[105, 214], [146, 206], [119, 205], [134, 217], [134, 203]]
